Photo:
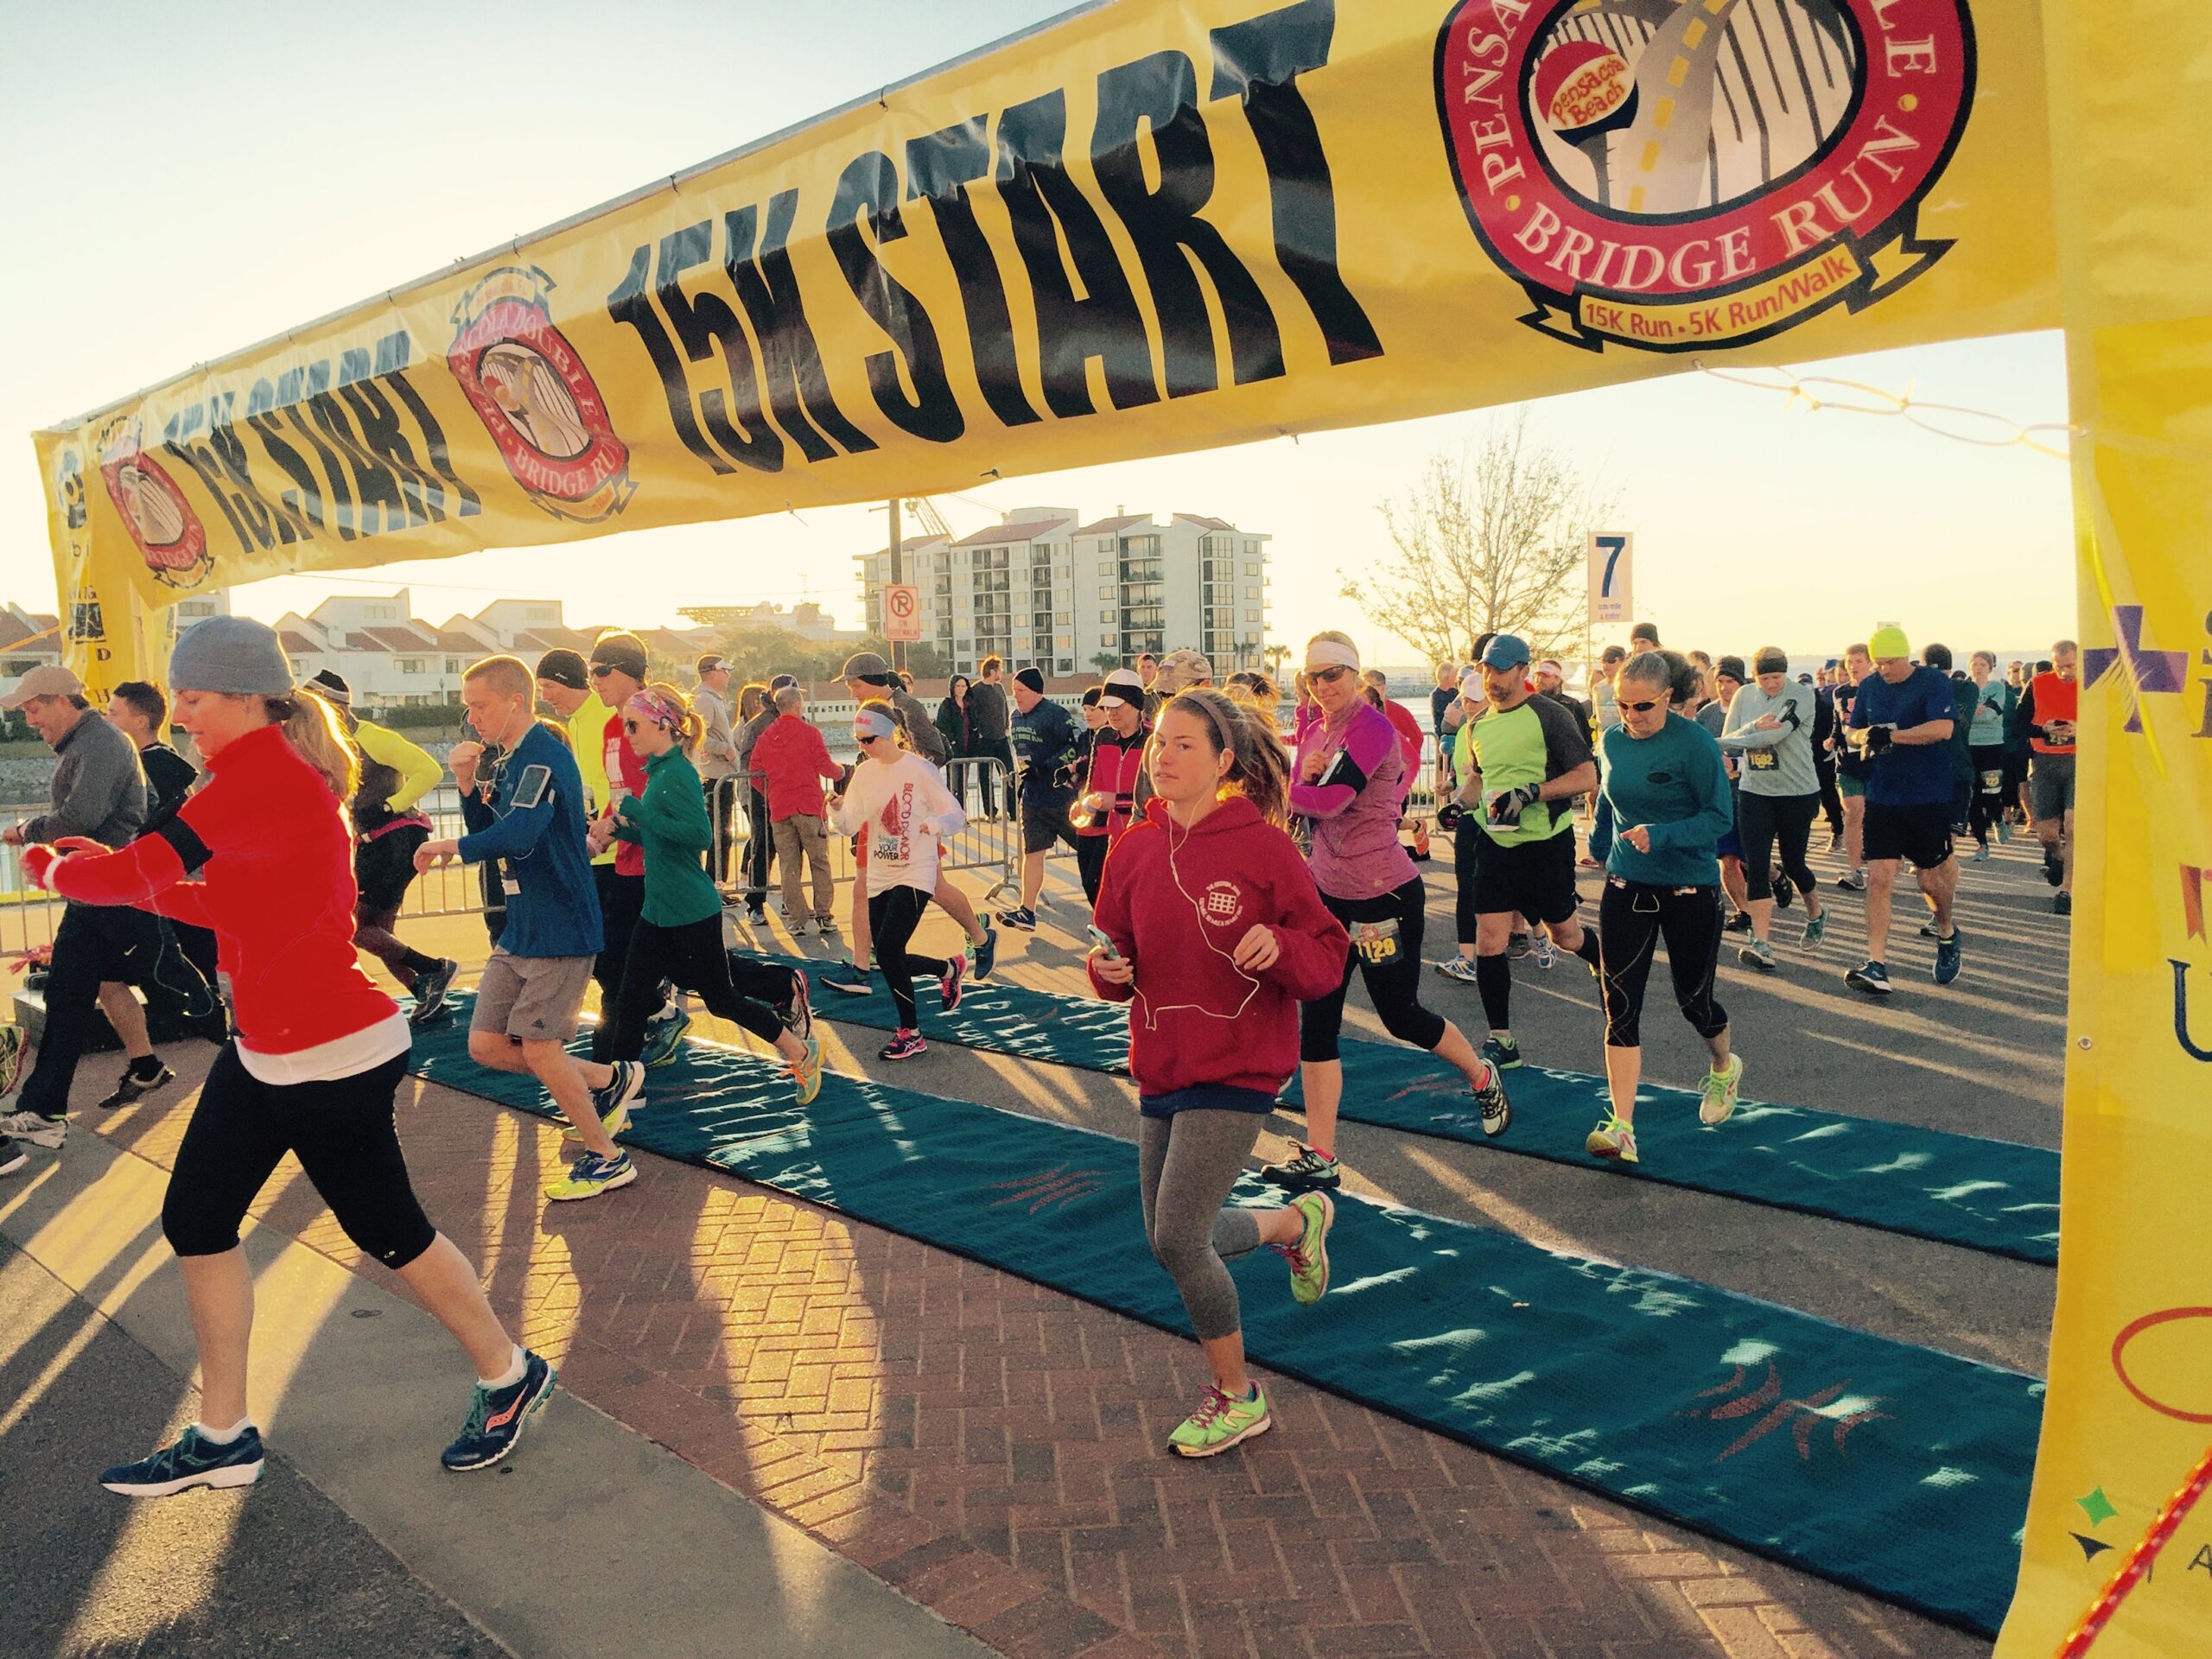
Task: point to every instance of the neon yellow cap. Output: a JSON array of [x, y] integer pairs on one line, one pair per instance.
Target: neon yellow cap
[[1889, 642]]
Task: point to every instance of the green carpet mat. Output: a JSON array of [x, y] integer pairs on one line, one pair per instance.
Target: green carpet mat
[[1994, 1196], [1891, 1468]]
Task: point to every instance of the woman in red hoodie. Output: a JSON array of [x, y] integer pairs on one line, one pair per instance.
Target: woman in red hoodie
[[1217, 933], [320, 1050]]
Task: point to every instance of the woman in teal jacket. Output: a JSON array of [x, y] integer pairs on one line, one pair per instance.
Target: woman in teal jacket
[[679, 931], [1669, 789]]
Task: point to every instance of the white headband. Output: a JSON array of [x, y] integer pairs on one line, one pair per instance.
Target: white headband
[[1331, 653]]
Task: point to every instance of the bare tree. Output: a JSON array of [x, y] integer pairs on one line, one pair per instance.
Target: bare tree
[[1492, 539]]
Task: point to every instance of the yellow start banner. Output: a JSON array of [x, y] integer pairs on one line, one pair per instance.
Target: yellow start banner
[[1146, 228], [2118, 1559]]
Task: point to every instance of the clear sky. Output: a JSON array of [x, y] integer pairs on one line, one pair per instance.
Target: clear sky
[[179, 181]]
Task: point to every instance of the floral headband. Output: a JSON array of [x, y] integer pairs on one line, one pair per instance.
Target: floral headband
[[652, 706]]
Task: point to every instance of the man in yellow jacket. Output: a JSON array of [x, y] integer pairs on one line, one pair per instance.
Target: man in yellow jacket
[[388, 826]]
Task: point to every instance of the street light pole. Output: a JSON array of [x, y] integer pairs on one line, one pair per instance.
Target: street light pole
[[897, 576]]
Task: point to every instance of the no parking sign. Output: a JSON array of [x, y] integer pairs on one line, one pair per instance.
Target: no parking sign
[[902, 613]]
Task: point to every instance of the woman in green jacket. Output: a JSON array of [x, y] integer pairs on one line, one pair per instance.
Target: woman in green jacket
[[679, 933]]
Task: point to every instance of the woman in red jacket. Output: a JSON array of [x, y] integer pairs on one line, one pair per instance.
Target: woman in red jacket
[[319, 1052], [1216, 934], [1115, 786]]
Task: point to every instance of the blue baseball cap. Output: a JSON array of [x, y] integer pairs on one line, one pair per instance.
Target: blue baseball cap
[[1506, 651]]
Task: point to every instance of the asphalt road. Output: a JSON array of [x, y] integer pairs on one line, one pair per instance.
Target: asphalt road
[[276, 1569]]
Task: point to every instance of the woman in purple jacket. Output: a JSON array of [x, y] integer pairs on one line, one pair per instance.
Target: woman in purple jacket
[[1346, 783]]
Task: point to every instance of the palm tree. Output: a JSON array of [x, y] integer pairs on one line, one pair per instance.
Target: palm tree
[[1275, 657], [1106, 661]]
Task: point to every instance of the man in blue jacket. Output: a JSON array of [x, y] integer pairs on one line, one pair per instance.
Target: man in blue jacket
[[529, 815], [1901, 724]]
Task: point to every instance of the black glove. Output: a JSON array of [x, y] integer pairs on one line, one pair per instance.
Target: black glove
[[1507, 808], [1448, 817]]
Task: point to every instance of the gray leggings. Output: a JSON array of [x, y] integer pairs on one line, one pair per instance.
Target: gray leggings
[[1185, 1165]]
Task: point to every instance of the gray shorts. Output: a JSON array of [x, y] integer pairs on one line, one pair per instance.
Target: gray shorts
[[535, 998], [2050, 787]]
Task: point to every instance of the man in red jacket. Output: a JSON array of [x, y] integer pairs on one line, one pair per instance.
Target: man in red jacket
[[793, 760]]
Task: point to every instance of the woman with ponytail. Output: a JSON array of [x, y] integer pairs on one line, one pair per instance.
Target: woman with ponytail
[[319, 1052], [1215, 934], [679, 931], [1349, 768]]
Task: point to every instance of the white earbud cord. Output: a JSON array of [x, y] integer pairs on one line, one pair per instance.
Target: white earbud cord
[[1152, 1011]]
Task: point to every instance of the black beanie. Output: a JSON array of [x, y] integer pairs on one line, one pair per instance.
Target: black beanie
[[1033, 677]]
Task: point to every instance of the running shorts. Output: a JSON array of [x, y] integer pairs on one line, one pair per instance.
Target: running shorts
[[384, 867], [2050, 786], [533, 998], [1921, 832], [1536, 878], [1044, 821]]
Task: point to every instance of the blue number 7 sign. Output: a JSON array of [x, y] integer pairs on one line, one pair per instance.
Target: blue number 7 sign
[[1612, 547]]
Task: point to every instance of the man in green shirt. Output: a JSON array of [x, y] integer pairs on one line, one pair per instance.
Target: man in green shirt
[[1527, 759]]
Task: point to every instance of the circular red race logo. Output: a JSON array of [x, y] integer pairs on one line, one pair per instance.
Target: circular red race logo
[[536, 400], [1674, 174]]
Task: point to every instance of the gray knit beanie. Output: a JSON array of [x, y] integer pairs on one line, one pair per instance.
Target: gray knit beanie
[[231, 654]]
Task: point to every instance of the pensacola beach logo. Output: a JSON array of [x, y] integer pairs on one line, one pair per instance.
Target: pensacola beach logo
[[536, 398], [168, 532], [1673, 174]]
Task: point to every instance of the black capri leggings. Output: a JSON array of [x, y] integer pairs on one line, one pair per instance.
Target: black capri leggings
[[1762, 820], [693, 956], [1632, 917], [1989, 795], [1392, 970], [343, 1132], [893, 916]]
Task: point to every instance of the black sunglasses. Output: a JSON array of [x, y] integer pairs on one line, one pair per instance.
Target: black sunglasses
[[1327, 676], [1645, 707]]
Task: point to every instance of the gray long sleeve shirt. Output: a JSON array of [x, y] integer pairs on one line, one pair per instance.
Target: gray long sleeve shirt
[[1777, 761], [99, 789]]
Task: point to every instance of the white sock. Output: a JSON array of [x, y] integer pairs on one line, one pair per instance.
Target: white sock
[[513, 1375], [224, 1436]]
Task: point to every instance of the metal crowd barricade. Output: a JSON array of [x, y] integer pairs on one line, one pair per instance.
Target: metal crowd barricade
[[987, 845]]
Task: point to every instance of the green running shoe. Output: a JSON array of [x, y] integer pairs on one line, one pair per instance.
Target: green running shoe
[[1309, 1257], [1816, 929], [1612, 1139], [1720, 1088], [806, 1072], [1220, 1422]]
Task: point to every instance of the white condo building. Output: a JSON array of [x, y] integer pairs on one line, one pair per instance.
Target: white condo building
[[1043, 586]]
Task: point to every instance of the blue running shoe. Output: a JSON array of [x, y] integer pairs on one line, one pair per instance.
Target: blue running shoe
[[1947, 961], [664, 1039], [848, 977], [1021, 917], [591, 1175], [987, 953], [187, 1462], [1871, 977], [496, 1417], [624, 1090]]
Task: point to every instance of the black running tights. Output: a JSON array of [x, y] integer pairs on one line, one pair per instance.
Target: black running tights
[[693, 956], [1632, 919], [893, 916], [1761, 821]]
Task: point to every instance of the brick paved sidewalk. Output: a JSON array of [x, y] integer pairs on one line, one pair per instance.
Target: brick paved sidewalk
[[995, 1449]]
